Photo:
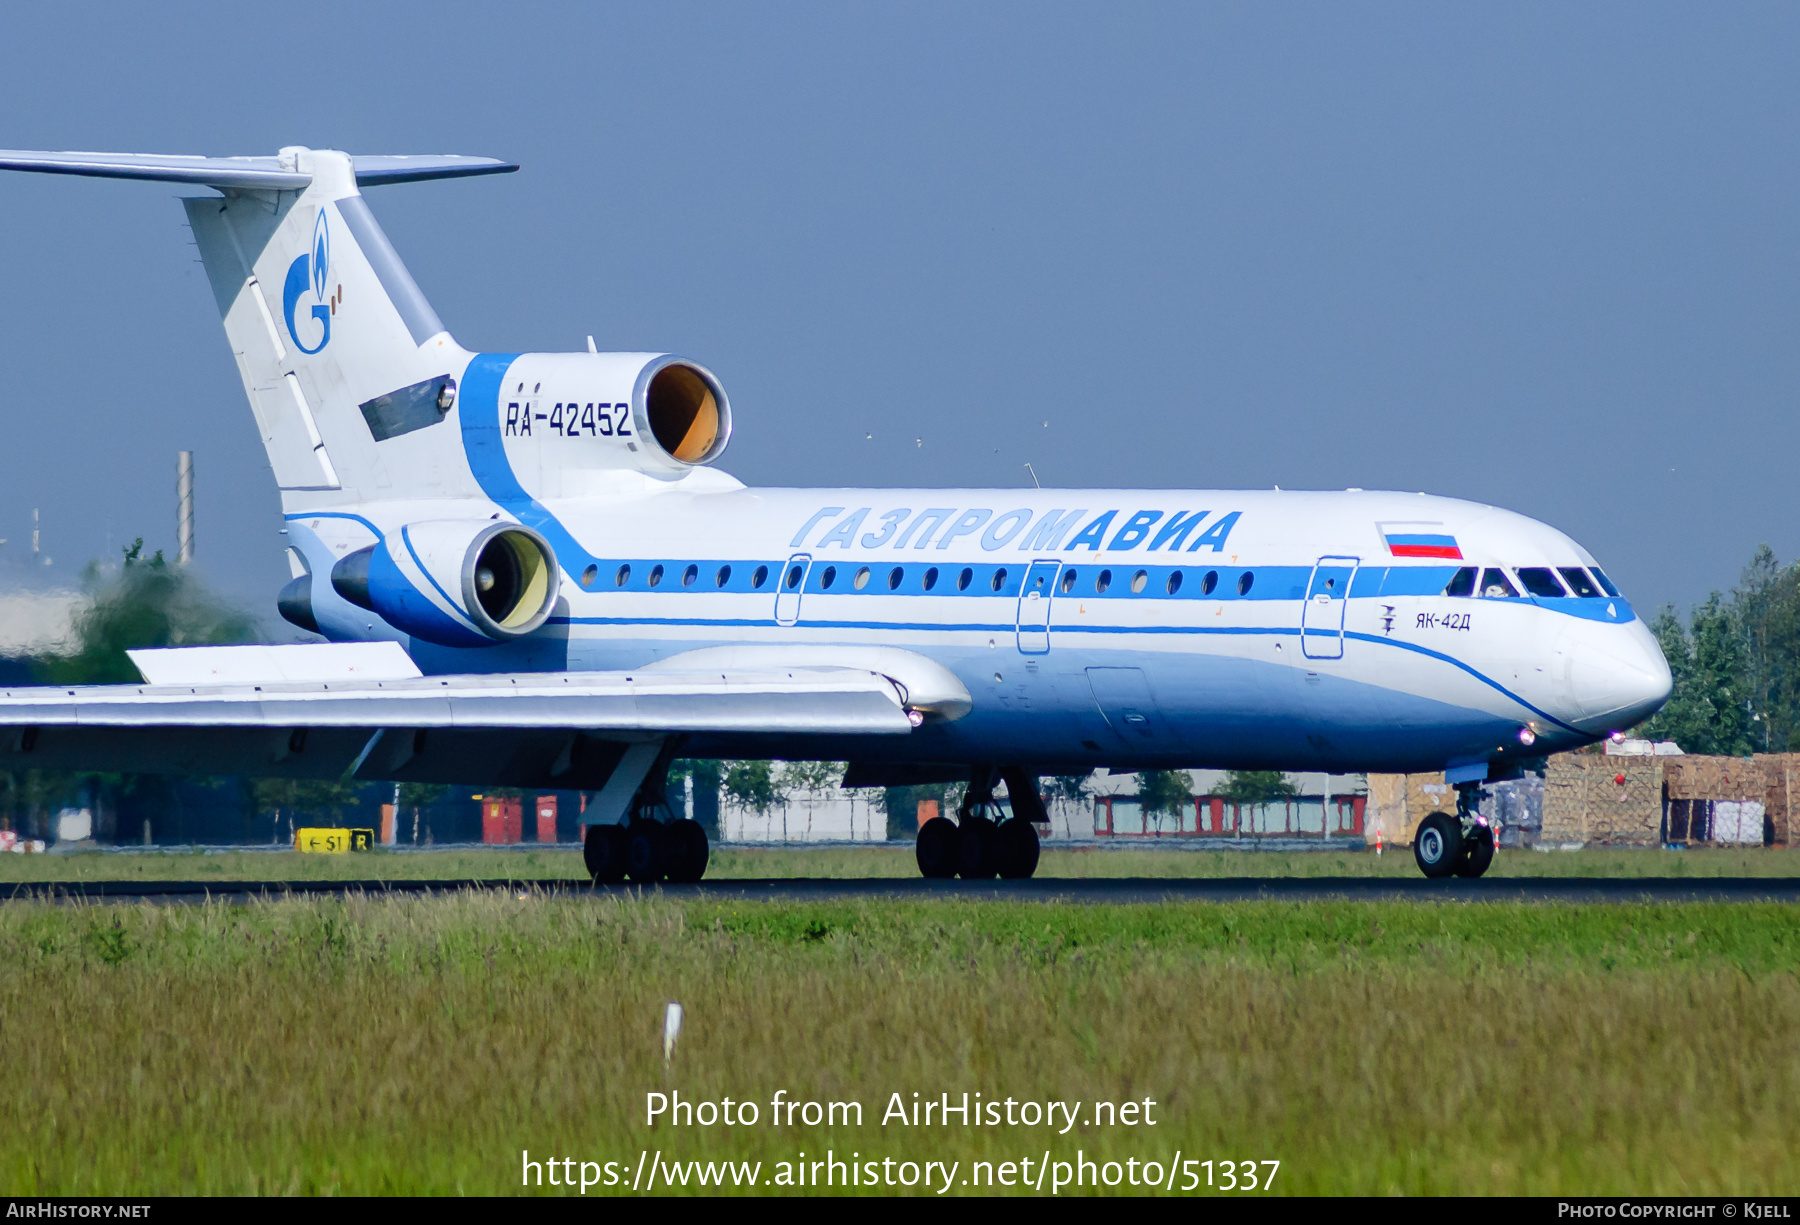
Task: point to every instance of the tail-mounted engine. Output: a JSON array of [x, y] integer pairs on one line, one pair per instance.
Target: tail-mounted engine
[[455, 583], [562, 417]]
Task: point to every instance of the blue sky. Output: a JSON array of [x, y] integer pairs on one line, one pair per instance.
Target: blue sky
[[1540, 256]]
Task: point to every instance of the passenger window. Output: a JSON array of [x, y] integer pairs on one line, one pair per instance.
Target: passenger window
[[1463, 583], [1246, 580], [1068, 580], [964, 579], [1102, 581], [1579, 582], [894, 577], [622, 577], [862, 578], [1605, 583], [689, 575], [795, 573], [1209, 582], [655, 575], [1000, 578], [1174, 582], [759, 578], [1495, 585], [1541, 581], [1138, 581], [723, 577], [589, 575], [828, 578], [930, 580]]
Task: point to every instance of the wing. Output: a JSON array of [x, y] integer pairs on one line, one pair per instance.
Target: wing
[[551, 730]]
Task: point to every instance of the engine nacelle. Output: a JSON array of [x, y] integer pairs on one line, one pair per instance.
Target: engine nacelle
[[454, 582], [562, 416]]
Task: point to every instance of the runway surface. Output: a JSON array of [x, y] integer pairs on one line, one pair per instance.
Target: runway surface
[[1112, 891]]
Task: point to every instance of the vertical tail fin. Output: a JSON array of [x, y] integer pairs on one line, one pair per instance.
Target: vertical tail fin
[[323, 319], [338, 349]]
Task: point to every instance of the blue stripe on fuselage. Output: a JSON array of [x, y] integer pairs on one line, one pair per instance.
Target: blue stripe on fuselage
[[486, 452]]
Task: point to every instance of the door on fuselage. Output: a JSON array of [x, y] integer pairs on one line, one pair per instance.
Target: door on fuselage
[[1322, 613], [1123, 695], [1035, 595], [792, 586]]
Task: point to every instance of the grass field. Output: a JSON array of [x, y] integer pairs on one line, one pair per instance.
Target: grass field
[[419, 1044], [875, 861]]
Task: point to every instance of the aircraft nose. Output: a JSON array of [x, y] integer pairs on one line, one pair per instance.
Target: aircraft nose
[[1617, 676]]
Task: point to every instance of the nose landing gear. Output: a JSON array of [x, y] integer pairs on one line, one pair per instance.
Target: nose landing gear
[[982, 844], [1460, 845]]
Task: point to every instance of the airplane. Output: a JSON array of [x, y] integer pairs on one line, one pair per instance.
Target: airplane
[[530, 571]]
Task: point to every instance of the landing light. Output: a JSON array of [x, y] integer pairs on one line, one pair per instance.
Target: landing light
[[1527, 737], [914, 717], [1617, 737]]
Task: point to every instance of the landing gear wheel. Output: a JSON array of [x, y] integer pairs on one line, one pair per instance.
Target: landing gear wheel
[[939, 841], [1018, 855], [604, 853], [979, 856], [1438, 845], [686, 840], [1477, 852], [646, 852]]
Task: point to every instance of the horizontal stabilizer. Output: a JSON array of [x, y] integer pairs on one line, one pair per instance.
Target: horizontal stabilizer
[[374, 170], [247, 173]]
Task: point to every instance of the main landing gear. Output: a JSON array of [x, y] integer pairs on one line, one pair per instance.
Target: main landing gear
[[1460, 845], [651, 844], [982, 842]]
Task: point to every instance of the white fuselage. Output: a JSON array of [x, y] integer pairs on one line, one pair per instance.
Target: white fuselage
[[1128, 628]]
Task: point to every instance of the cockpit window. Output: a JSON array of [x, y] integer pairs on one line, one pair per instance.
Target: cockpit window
[[1579, 582], [1541, 581], [1495, 585], [1605, 583], [1463, 583]]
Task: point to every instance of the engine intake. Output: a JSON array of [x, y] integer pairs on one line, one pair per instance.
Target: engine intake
[[454, 583], [684, 413]]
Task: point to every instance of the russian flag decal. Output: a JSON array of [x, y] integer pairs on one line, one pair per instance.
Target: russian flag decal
[[1422, 544]]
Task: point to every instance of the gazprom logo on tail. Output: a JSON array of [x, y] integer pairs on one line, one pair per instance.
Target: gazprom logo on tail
[[309, 272]]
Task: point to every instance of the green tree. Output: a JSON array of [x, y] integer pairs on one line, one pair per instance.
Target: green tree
[[901, 804], [304, 799], [1766, 605], [812, 777], [1067, 787], [751, 785], [1164, 793], [413, 797], [144, 603], [421, 795], [706, 776], [1256, 787], [26, 797], [1709, 707]]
